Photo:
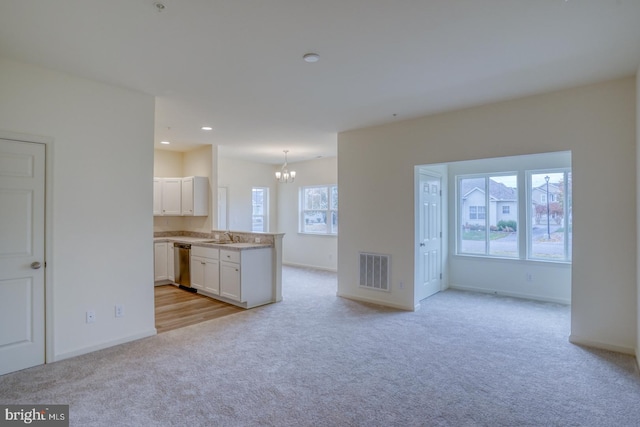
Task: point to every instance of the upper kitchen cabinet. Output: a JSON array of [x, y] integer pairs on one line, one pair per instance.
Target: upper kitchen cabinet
[[181, 196], [195, 196]]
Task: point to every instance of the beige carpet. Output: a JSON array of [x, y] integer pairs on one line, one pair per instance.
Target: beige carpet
[[464, 359]]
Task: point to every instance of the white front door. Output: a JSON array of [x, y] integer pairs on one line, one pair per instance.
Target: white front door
[[430, 237], [22, 184]]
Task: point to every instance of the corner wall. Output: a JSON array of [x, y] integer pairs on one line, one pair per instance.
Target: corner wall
[[99, 196], [596, 123]]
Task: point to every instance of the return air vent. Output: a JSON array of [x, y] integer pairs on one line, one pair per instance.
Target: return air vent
[[374, 271]]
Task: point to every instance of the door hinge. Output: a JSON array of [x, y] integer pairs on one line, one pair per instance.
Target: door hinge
[[441, 234], [440, 193], [440, 276]]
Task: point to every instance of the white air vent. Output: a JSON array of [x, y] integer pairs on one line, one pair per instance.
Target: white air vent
[[374, 271]]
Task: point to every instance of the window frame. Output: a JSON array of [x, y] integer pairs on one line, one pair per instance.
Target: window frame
[[329, 214], [264, 217], [486, 215], [568, 252], [524, 214]]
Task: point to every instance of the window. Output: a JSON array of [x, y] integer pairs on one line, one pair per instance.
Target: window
[[488, 205], [260, 209], [549, 232], [477, 212], [319, 210], [494, 234]]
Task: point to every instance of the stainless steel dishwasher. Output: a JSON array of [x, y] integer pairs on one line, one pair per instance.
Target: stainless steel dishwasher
[[182, 259]]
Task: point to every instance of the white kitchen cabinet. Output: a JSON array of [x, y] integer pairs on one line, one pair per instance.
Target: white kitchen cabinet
[[171, 262], [160, 271], [157, 196], [171, 196], [195, 196], [181, 196], [246, 277], [205, 269], [230, 280]]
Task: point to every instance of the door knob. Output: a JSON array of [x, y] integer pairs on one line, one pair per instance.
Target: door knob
[[35, 265]]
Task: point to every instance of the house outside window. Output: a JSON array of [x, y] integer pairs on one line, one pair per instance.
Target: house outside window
[[491, 231], [260, 209], [319, 210]]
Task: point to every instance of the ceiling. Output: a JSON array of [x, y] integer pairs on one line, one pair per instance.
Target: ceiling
[[236, 65]]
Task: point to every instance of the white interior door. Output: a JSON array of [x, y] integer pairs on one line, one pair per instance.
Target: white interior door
[[22, 184], [430, 236]]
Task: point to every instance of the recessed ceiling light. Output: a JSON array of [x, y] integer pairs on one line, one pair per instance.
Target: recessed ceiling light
[[165, 142], [311, 57], [206, 128]]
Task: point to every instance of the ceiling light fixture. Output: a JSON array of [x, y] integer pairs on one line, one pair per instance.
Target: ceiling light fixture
[[311, 57], [284, 175], [165, 142], [206, 128]]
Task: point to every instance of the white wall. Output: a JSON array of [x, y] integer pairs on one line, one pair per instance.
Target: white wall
[[99, 202], [638, 208], [239, 177], [550, 281], [596, 123], [305, 249]]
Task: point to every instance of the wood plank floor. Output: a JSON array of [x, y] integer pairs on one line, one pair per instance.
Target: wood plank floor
[[176, 308]]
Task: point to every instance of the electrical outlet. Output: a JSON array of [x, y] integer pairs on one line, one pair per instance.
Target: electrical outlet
[[119, 310], [401, 286], [91, 316], [257, 240]]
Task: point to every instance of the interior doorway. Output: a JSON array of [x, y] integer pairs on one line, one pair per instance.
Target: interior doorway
[[22, 255], [429, 235]]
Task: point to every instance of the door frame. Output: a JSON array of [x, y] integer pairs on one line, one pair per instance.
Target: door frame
[[48, 143], [442, 175]]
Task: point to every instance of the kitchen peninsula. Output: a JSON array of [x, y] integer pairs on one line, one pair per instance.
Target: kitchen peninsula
[[240, 268]]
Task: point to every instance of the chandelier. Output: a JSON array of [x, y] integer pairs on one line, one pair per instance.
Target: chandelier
[[285, 175]]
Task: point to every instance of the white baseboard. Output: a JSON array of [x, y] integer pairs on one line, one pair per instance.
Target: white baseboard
[[101, 346], [509, 294], [603, 346], [374, 301], [315, 267]]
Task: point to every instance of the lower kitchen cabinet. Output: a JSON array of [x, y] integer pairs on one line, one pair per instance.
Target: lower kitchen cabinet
[[160, 266], [230, 280], [171, 262], [205, 269], [246, 277]]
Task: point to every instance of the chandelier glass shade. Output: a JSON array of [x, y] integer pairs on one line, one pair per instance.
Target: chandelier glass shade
[[284, 175]]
